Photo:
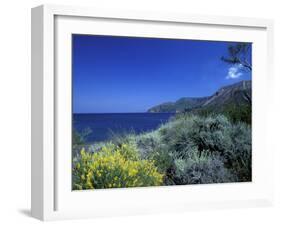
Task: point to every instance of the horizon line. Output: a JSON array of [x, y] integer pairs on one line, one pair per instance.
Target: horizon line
[[244, 80]]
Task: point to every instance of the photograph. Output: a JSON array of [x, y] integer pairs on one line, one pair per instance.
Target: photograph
[[152, 111]]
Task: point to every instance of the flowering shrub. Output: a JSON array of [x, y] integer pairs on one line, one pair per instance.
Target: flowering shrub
[[114, 167], [189, 149]]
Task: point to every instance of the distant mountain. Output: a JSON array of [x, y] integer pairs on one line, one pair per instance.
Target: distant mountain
[[237, 94], [185, 103]]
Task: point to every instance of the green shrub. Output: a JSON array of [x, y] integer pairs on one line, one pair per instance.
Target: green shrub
[[175, 135], [79, 140], [192, 132], [152, 147], [148, 143], [202, 170], [114, 167], [164, 161], [234, 112], [239, 113], [239, 156], [226, 145], [123, 138]]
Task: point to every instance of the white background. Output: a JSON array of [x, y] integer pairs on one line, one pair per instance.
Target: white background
[[110, 202], [15, 112]]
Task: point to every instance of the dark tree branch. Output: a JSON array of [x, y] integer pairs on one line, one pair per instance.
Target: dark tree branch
[[238, 54]]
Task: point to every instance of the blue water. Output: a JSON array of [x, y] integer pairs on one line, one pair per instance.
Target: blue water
[[103, 125]]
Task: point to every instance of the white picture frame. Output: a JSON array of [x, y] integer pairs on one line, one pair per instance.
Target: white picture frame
[[52, 197]]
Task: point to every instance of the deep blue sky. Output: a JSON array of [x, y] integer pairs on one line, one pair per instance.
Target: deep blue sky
[[122, 74]]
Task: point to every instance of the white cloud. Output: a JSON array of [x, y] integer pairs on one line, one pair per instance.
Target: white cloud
[[234, 72]]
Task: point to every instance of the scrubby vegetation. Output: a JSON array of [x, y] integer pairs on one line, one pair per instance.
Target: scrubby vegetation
[[189, 149], [235, 113], [114, 167]]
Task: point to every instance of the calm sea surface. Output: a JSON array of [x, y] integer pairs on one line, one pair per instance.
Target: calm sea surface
[[104, 125]]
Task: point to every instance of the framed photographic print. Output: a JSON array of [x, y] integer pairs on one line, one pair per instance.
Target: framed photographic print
[[137, 112]]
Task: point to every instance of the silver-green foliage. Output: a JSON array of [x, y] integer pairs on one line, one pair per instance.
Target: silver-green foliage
[[211, 134], [148, 142], [239, 156], [223, 149], [202, 170], [152, 147]]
